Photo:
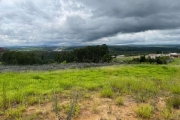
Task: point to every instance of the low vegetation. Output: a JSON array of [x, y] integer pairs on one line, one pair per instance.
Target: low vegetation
[[157, 60], [119, 101], [144, 111], [74, 91]]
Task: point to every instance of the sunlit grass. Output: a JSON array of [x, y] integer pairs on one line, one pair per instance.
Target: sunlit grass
[[176, 61]]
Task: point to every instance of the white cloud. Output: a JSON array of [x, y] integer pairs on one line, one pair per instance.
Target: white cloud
[[70, 22]]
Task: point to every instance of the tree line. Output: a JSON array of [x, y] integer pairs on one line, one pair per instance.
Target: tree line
[[157, 60], [95, 54]]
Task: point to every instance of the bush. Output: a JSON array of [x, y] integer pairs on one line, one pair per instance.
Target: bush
[[107, 58], [157, 60], [173, 102], [144, 111], [107, 92], [119, 101]]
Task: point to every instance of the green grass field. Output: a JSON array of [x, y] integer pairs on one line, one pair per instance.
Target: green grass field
[[143, 82], [176, 61]]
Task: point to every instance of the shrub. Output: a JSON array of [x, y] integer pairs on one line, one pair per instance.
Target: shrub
[[119, 101], [64, 62], [15, 113], [107, 92], [166, 114], [144, 111], [173, 102], [32, 100]]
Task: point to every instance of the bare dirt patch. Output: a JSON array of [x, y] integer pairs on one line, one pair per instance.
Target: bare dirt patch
[[94, 108]]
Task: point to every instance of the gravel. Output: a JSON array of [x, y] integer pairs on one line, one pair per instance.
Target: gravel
[[15, 68]]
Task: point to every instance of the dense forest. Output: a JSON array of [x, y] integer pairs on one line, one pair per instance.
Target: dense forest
[[95, 54]]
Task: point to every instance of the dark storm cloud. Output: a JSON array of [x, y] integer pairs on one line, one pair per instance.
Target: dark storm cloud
[[66, 22], [126, 16]]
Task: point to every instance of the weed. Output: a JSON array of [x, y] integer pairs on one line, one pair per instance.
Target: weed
[[39, 114], [15, 113], [144, 111], [173, 102], [32, 117], [87, 96], [64, 62], [4, 97], [73, 104], [175, 88], [65, 108], [166, 114], [17, 98], [143, 96], [32, 100], [119, 101], [57, 108], [77, 110], [95, 108], [91, 87], [106, 93]]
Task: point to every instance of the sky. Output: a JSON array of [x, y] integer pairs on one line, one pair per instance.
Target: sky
[[89, 22]]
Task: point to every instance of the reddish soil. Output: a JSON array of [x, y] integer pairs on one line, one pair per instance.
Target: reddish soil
[[95, 108]]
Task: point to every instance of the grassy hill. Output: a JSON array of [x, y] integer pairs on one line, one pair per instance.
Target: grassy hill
[[115, 92]]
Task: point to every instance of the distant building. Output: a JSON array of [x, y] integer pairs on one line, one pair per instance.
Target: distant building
[[174, 55], [120, 56], [154, 56], [57, 50]]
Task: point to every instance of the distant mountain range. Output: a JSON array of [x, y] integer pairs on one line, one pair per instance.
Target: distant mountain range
[[114, 49]]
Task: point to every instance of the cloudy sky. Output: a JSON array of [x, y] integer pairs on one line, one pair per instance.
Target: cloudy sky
[[89, 22]]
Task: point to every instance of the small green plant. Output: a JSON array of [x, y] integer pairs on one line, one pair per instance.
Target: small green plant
[[173, 102], [5, 104], [95, 108], [119, 101], [144, 95], [56, 108], [15, 113], [144, 111], [32, 100], [73, 109], [175, 88], [106, 93], [32, 117], [63, 108], [87, 96], [77, 110], [64, 62], [1, 112], [166, 114]]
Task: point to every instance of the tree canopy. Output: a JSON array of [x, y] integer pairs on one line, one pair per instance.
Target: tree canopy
[[95, 54]]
